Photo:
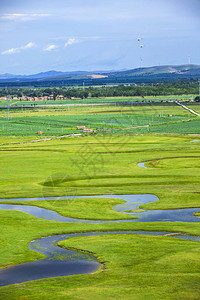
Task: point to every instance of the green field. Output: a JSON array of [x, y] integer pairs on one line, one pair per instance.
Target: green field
[[84, 208], [72, 166], [195, 107], [68, 124], [142, 108], [144, 118], [3, 103], [136, 267]]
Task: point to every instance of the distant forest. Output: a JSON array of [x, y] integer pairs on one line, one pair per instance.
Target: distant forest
[[176, 87]]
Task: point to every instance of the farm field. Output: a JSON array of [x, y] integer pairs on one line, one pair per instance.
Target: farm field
[[133, 266], [146, 109], [195, 107], [145, 118], [68, 124], [3, 103]]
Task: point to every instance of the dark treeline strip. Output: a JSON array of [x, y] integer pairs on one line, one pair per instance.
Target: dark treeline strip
[[176, 87]]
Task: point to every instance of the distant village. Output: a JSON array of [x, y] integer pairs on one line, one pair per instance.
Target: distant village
[[43, 98]]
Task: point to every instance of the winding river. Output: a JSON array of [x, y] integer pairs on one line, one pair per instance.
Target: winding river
[[62, 262], [132, 202]]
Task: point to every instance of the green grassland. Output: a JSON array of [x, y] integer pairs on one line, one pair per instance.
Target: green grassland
[[133, 277], [87, 166], [68, 124], [102, 119], [197, 214], [144, 109], [84, 208], [136, 267], [195, 107], [3, 103], [182, 127]]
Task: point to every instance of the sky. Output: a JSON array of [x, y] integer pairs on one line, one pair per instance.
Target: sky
[[91, 35]]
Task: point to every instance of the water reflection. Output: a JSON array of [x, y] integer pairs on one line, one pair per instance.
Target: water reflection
[[133, 202], [62, 262]]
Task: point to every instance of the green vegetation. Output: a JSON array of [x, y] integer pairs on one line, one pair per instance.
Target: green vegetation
[[197, 214], [179, 162], [154, 109], [68, 124], [189, 126], [83, 208], [61, 103], [136, 267], [174, 87], [137, 263], [145, 109], [134, 211], [195, 107], [143, 118], [13, 224], [87, 166]]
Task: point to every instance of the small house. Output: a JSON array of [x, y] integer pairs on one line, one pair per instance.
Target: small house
[[88, 130]]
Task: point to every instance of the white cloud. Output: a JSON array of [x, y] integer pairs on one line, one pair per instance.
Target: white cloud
[[22, 17], [71, 41], [50, 48], [19, 49], [28, 46]]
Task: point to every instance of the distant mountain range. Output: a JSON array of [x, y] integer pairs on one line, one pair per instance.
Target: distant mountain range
[[121, 76], [48, 74], [41, 75]]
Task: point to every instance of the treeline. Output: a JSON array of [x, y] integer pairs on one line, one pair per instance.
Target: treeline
[[178, 87]]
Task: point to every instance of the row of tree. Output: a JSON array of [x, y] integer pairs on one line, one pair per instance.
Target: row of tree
[[177, 87]]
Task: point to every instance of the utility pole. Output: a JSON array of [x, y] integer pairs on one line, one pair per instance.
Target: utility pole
[[8, 106]]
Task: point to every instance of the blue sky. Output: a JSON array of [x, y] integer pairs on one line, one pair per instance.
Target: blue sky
[[70, 35]]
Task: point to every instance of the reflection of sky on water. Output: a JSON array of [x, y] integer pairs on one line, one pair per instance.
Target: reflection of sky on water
[[141, 165], [62, 262], [132, 202], [58, 262]]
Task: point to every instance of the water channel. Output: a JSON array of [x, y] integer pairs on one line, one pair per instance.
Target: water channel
[[132, 202], [62, 262]]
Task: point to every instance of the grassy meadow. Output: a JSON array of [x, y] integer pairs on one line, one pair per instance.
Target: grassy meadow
[[3, 103], [135, 267], [110, 119], [83, 208]]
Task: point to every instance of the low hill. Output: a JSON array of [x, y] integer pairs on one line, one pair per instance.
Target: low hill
[[139, 75], [182, 70], [190, 70]]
